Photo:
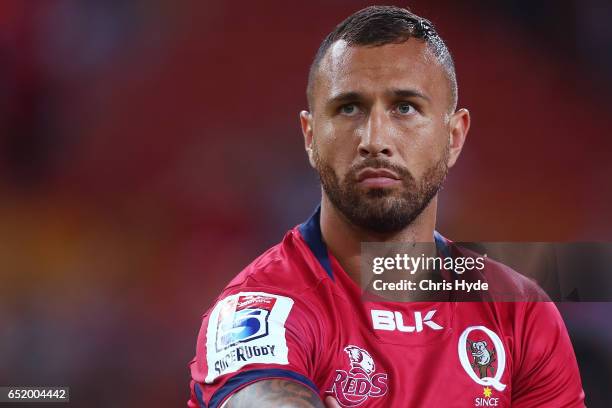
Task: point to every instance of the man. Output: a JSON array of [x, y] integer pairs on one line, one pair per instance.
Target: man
[[293, 330]]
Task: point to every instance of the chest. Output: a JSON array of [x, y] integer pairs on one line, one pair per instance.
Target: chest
[[414, 355]]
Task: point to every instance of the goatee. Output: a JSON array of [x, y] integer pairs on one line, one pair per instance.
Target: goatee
[[381, 210]]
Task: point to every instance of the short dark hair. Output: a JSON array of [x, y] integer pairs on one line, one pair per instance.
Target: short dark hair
[[379, 25]]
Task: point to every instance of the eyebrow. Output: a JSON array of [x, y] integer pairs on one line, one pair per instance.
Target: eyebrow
[[344, 97], [352, 96], [409, 93]]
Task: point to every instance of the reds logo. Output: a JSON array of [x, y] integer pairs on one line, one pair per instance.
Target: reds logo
[[354, 387]]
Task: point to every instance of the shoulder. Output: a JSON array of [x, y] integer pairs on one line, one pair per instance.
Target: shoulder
[[268, 314], [505, 284], [287, 267], [506, 280]]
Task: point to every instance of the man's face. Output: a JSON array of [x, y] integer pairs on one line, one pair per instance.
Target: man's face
[[380, 133]]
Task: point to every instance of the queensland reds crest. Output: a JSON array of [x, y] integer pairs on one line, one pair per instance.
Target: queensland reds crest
[[488, 357], [353, 387]]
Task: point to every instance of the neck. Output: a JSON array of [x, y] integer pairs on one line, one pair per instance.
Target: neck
[[343, 239]]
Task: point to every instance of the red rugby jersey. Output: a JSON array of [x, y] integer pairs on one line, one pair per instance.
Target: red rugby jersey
[[295, 314]]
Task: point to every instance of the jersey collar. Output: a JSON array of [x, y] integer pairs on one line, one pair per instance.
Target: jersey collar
[[311, 232]]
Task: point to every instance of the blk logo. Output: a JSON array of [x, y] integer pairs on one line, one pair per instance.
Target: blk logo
[[391, 321]]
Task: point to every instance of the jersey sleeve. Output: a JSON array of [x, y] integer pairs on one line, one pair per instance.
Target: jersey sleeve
[[249, 335], [547, 374]]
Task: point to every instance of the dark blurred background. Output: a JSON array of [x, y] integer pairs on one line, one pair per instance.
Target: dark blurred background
[[150, 149]]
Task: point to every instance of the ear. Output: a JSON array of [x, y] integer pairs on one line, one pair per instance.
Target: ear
[[459, 125], [306, 123]]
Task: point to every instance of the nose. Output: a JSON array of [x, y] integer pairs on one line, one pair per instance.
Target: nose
[[375, 136]]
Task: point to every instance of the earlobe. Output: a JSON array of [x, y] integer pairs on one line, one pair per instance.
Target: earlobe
[[311, 159], [306, 124], [459, 127]]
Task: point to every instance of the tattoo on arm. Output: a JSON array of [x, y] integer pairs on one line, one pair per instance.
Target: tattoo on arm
[[276, 394]]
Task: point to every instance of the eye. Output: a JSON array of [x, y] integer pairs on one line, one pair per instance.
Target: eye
[[349, 109], [405, 108]]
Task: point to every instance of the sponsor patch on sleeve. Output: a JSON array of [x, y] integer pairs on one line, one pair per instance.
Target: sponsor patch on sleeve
[[246, 328]]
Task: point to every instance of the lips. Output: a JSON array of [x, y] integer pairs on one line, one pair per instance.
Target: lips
[[377, 178], [370, 173]]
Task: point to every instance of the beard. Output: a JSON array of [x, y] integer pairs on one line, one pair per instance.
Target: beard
[[381, 210]]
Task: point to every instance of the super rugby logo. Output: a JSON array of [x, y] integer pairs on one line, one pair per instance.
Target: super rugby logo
[[488, 360], [361, 382], [243, 321], [246, 328]]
